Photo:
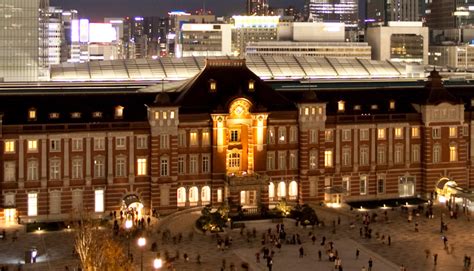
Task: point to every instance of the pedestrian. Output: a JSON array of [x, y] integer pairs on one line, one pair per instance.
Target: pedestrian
[[269, 263], [427, 253], [371, 263], [445, 241], [198, 259], [363, 268], [389, 240], [301, 252], [435, 258], [357, 254], [319, 255], [257, 256]]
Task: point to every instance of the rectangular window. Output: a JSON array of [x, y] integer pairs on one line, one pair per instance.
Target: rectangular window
[[346, 157], [346, 135], [181, 165], [77, 200], [164, 166], [54, 169], [399, 154], [313, 136], [328, 158], [415, 153], [313, 159], [380, 186], [234, 136], [54, 145], [76, 168], [120, 143], [398, 133], [120, 166], [364, 134], [32, 170], [270, 160], [293, 160], [99, 201], [453, 153], [99, 144], [415, 132], [436, 153], [437, 132], [32, 204], [76, 144], [329, 135], [381, 155], [219, 195], [293, 135], [142, 166], [193, 165], [363, 185], [182, 139], [453, 132], [99, 167], [346, 184], [205, 164], [164, 142], [9, 146], [193, 138], [206, 140], [281, 135], [9, 169], [282, 160], [381, 133], [142, 142], [327, 181], [271, 135], [32, 145], [364, 156], [55, 202]]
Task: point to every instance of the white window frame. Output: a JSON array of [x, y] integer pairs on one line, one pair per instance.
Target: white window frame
[[77, 168], [436, 132], [364, 134], [32, 170], [206, 163], [32, 145], [346, 135], [55, 169], [9, 171], [313, 136], [398, 154], [415, 150], [271, 135], [120, 143], [436, 153], [182, 165], [313, 159], [99, 143], [282, 160], [381, 154], [77, 144], [293, 159], [363, 185], [142, 142], [364, 155], [182, 138], [193, 164], [32, 204], [282, 137], [415, 132], [346, 156], [164, 166], [121, 166], [99, 167], [270, 160], [293, 134], [164, 141], [55, 145], [379, 180], [99, 200], [398, 132], [381, 133]]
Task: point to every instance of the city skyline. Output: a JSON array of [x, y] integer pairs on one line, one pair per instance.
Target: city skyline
[[108, 8]]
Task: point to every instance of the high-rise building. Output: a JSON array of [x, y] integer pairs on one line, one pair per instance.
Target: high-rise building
[[257, 7], [67, 47], [206, 40], [383, 11], [23, 42], [156, 29], [448, 14], [252, 29], [344, 11], [55, 35]]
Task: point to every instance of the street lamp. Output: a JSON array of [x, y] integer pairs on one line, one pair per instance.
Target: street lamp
[[128, 226], [157, 262], [141, 244]]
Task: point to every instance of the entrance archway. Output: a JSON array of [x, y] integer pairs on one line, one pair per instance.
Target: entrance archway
[[132, 207], [445, 188]]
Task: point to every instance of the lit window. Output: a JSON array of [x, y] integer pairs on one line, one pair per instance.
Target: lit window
[[306, 111], [76, 115], [32, 204], [453, 132], [381, 133], [328, 158], [398, 133], [32, 114], [234, 136], [97, 115], [32, 145], [141, 166], [157, 115], [99, 201], [205, 138], [251, 85], [453, 153], [415, 132], [9, 146], [212, 85], [165, 115], [54, 115], [9, 169], [346, 183], [119, 112], [234, 161], [341, 106], [172, 115], [392, 105], [374, 107], [357, 107], [329, 135], [55, 145], [219, 195], [193, 138], [281, 135]]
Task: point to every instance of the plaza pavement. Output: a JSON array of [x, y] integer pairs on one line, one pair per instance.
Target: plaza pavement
[[408, 247]]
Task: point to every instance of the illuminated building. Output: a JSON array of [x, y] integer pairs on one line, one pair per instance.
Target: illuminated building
[[344, 11], [24, 47], [257, 7], [399, 41], [55, 35], [253, 28], [381, 12], [227, 136], [205, 40], [448, 14], [452, 56], [311, 31]]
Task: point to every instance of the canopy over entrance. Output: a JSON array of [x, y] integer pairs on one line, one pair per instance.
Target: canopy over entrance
[[131, 200]]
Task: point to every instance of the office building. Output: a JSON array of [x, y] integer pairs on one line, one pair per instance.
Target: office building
[[310, 31], [380, 12], [205, 40], [343, 11], [449, 14], [257, 7], [251, 29]]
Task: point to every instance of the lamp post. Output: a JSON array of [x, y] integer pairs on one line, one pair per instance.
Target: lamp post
[[157, 262], [128, 226], [141, 244]]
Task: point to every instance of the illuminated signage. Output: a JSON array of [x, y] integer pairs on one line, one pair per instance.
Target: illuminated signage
[[102, 33]]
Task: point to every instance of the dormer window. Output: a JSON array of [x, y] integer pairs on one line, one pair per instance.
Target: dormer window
[[32, 114], [251, 85], [341, 106], [119, 112], [212, 85], [54, 115], [165, 115], [357, 107], [374, 107], [97, 115], [157, 115], [172, 115], [392, 105], [76, 115]]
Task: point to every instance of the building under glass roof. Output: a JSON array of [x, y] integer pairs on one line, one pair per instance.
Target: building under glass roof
[[266, 67]]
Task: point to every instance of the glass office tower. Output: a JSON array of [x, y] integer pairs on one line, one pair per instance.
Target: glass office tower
[[22, 40], [344, 11]]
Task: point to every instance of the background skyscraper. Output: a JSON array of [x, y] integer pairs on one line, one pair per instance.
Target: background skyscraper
[[257, 7], [23, 39], [344, 11], [383, 11]]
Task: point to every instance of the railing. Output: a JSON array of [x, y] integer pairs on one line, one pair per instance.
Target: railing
[[250, 211]]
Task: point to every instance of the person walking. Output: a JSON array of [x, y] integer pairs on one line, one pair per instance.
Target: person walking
[[389, 240], [435, 258], [319, 255], [371, 263], [301, 252]]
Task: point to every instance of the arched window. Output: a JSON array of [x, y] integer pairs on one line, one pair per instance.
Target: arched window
[[271, 191], [293, 190], [281, 192], [193, 195], [181, 196], [206, 194]]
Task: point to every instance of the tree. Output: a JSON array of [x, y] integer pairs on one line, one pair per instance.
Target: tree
[[96, 247]]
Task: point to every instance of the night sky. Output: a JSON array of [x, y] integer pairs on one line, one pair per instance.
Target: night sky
[[97, 9]]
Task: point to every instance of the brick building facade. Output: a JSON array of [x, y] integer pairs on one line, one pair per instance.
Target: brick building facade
[[226, 135]]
